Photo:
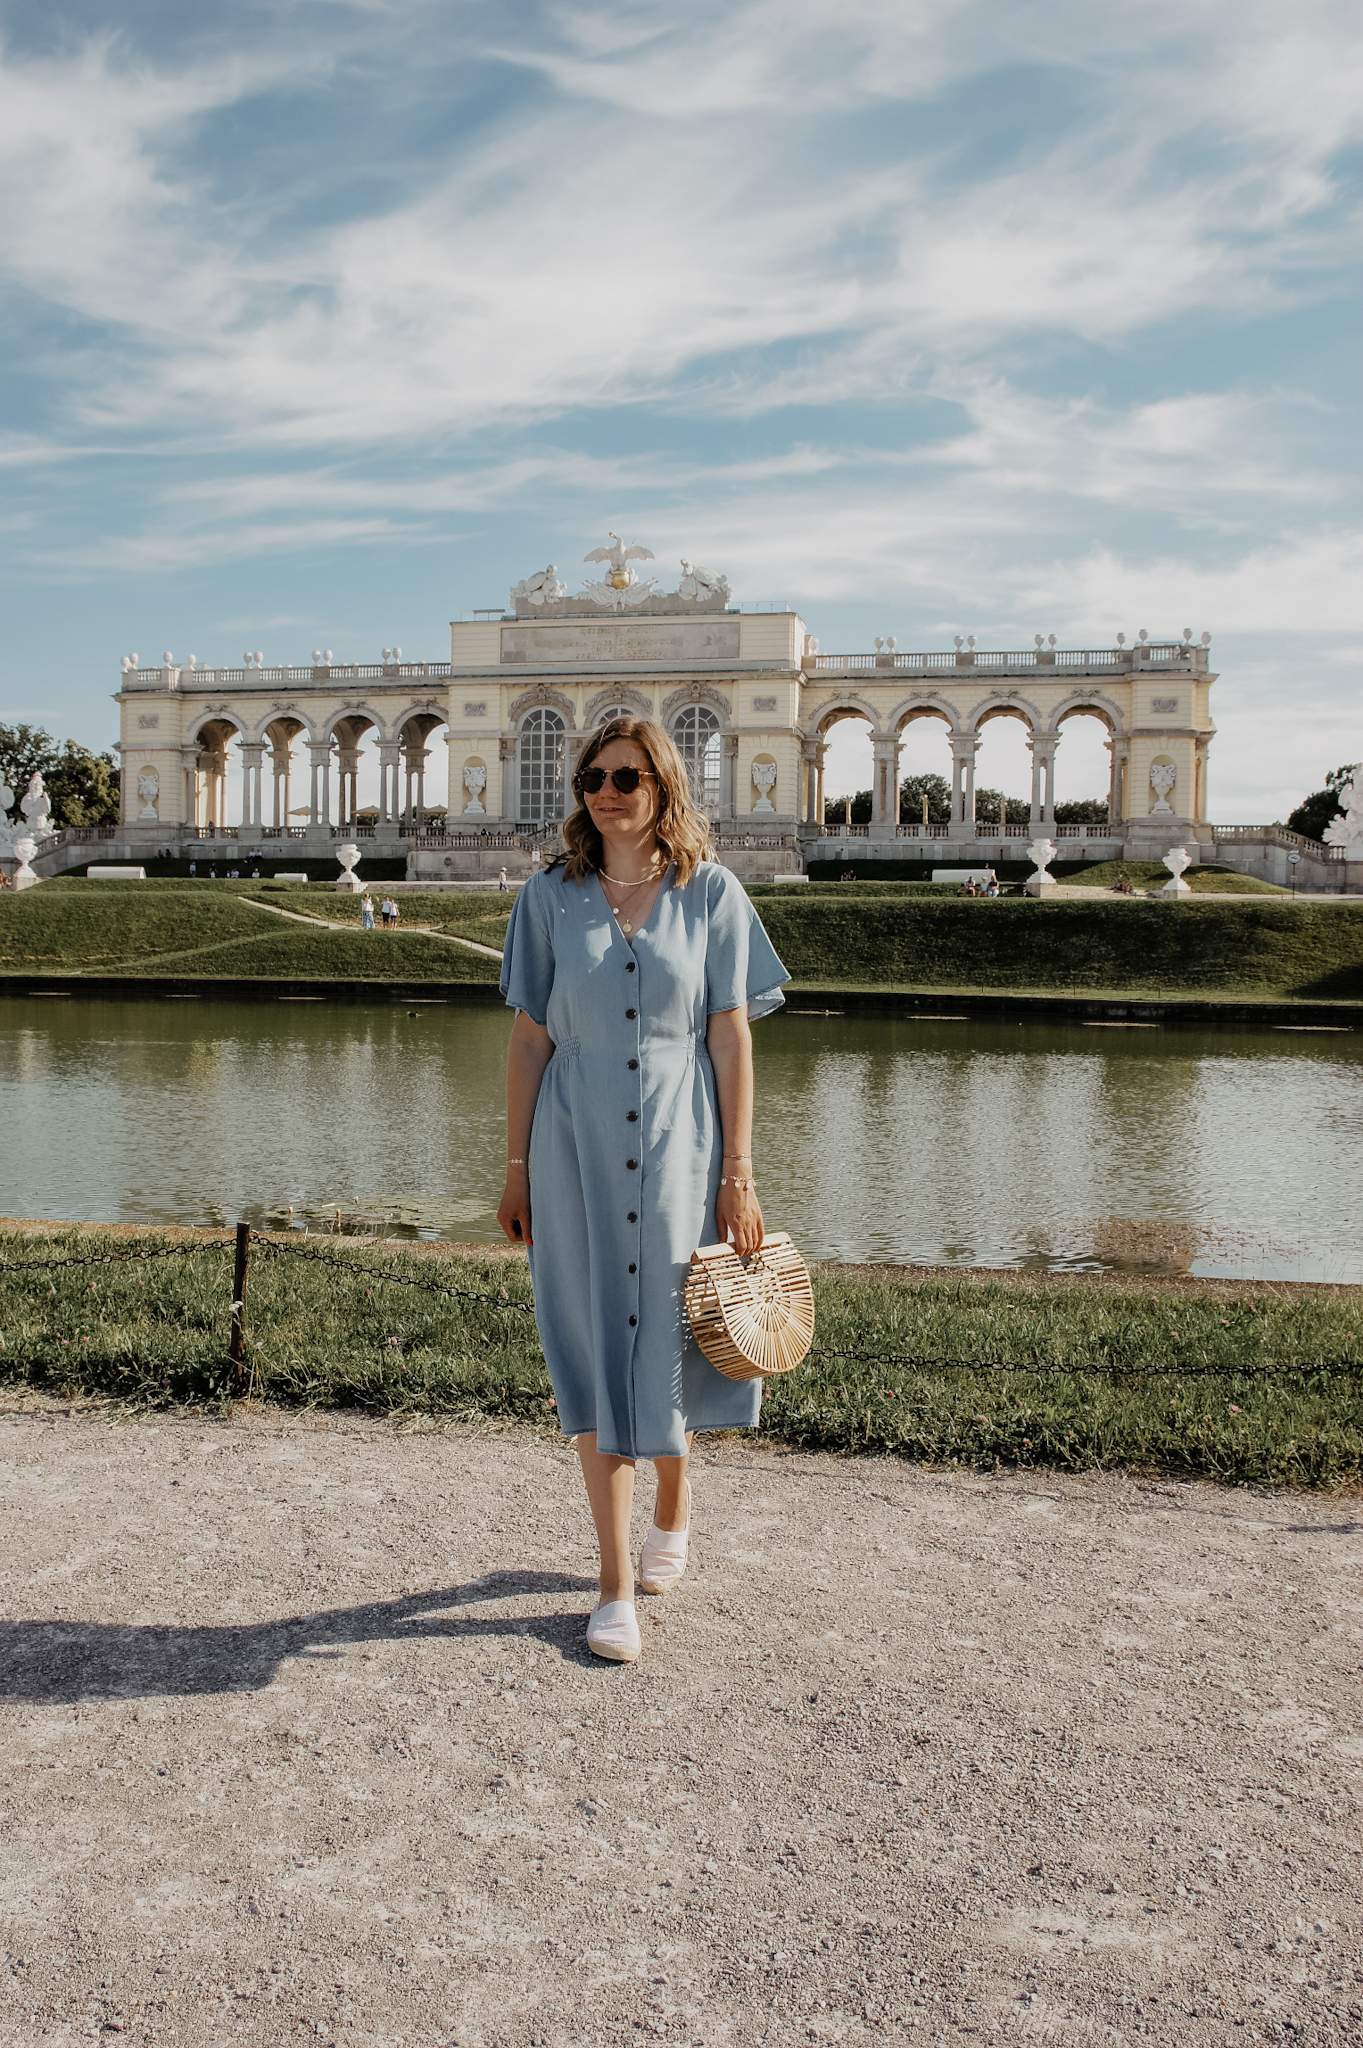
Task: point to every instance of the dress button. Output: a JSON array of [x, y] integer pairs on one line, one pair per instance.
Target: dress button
[[629, 966], [631, 1064], [632, 1217], [631, 1014], [632, 1321], [631, 1116], [632, 1164], [634, 1269]]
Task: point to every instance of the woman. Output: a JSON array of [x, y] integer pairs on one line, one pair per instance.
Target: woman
[[367, 913], [634, 966]]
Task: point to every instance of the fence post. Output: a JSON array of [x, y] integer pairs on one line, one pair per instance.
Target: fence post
[[237, 1349]]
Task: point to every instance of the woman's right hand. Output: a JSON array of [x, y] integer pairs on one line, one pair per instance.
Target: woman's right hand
[[514, 1212]]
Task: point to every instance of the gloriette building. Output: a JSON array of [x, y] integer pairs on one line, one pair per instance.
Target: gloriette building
[[748, 695]]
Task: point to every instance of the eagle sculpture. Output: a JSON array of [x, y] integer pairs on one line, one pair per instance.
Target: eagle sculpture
[[619, 556]]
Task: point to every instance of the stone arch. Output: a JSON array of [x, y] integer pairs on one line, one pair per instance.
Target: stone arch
[[360, 717], [1002, 704], [543, 698], [923, 707], [696, 693], [206, 765], [409, 754], [604, 701], [1095, 704], [851, 706]]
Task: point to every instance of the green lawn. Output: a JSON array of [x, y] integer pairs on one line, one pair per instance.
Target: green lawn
[[1220, 1380]]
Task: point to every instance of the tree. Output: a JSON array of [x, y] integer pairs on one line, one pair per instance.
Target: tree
[[935, 788], [987, 802], [1088, 810], [835, 808], [26, 750], [83, 787], [1313, 815]]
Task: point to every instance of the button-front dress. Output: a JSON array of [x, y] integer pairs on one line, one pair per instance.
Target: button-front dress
[[626, 1148]]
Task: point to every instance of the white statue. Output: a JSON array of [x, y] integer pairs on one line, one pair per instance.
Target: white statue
[[542, 588], [1348, 830], [1163, 776], [475, 782], [619, 557], [1176, 860], [764, 780], [701, 583], [148, 789], [349, 882], [1040, 853], [25, 846], [6, 799], [37, 809]]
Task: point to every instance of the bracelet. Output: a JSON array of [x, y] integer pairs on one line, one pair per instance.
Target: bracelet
[[515, 1162], [731, 1180]]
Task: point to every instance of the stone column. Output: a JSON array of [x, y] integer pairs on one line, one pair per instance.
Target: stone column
[[964, 747], [728, 784], [388, 781], [319, 795], [1120, 751], [251, 752], [348, 766], [884, 782], [1199, 806], [511, 795], [1043, 746]]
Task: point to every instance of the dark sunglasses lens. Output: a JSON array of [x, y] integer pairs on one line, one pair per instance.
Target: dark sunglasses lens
[[625, 780], [592, 780]]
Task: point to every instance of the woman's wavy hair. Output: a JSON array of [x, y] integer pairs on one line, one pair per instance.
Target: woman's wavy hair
[[683, 831]]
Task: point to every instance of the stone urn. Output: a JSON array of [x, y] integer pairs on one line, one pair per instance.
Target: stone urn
[[24, 850], [1041, 853], [1176, 860], [349, 882]]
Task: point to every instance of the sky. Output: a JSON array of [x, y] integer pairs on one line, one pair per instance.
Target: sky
[[322, 323]]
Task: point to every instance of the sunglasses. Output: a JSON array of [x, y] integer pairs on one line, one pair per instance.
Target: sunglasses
[[591, 781]]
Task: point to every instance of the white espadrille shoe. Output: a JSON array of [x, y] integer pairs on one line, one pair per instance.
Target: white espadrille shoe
[[613, 1632], [662, 1561]]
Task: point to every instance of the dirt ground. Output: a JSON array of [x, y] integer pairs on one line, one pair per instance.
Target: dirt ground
[[301, 1741]]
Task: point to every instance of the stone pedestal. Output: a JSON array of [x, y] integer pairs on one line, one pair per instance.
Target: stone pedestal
[[1040, 885]]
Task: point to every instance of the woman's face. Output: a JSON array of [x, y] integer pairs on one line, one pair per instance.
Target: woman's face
[[610, 810]]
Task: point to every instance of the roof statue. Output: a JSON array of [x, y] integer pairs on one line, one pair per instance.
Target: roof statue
[[1347, 829], [543, 588], [701, 583], [622, 587]]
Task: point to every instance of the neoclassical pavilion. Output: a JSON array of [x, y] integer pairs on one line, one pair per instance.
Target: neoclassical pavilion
[[748, 696]]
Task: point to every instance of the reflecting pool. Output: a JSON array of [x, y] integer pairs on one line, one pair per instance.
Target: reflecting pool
[[879, 1138]]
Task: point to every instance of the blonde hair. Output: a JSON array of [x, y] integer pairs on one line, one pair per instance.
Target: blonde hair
[[683, 831]]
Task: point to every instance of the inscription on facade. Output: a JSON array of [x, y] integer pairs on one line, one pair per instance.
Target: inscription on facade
[[657, 642]]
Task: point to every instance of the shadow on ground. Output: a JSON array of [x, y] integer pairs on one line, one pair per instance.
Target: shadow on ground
[[65, 1661]]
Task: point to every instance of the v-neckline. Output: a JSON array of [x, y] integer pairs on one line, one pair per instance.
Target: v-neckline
[[628, 938]]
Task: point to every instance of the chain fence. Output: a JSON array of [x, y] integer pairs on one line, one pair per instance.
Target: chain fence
[[246, 1241]]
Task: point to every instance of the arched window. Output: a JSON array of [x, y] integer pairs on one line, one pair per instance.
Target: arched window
[[542, 755], [696, 732], [614, 711]]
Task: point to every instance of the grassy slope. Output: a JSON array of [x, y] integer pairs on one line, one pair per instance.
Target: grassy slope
[[156, 1332], [1253, 949], [1152, 874], [133, 928]]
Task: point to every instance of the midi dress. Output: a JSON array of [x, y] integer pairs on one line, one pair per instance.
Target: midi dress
[[626, 1147]]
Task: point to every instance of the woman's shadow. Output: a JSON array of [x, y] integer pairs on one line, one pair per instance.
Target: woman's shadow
[[63, 1661]]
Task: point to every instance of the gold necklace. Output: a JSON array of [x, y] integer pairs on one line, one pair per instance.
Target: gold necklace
[[628, 887]]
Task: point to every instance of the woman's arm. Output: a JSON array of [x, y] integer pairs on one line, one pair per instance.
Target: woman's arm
[[728, 1040], [528, 1055]]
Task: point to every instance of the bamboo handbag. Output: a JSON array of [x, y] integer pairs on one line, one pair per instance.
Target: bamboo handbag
[[752, 1318]]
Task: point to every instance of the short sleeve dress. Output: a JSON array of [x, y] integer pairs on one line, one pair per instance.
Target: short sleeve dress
[[626, 1147]]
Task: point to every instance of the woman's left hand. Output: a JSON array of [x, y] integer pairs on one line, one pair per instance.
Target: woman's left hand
[[737, 1210]]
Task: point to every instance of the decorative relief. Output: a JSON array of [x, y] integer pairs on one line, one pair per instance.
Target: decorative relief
[[148, 791], [616, 700], [694, 693], [475, 711], [764, 782], [555, 699], [148, 720], [1164, 704], [764, 703]]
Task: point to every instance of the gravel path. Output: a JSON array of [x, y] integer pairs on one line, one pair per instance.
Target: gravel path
[[301, 1742]]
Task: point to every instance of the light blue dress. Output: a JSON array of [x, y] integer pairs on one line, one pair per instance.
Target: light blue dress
[[626, 1147]]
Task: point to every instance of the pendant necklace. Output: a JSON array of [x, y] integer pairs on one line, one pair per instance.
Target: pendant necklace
[[618, 914]]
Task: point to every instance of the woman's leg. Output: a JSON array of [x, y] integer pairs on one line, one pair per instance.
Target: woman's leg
[[672, 1507], [610, 1491]]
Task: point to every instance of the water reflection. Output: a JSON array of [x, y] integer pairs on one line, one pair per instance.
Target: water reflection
[[879, 1138]]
